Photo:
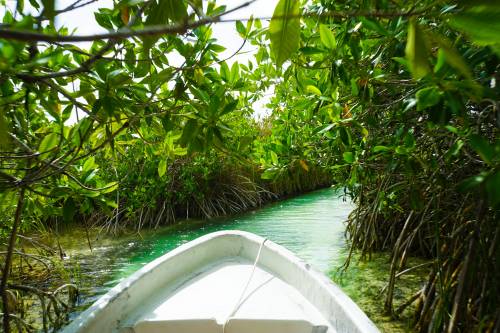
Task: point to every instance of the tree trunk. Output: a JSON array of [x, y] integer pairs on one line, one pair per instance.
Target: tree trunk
[[8, 261]]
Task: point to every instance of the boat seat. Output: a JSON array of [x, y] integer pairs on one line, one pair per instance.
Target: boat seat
[[233, 325], [236, 325], [178, 326]]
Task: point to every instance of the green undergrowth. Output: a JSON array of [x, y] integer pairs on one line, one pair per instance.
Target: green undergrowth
[[365, 281], [202, 186]]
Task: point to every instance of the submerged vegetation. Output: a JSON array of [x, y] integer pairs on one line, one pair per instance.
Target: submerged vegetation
[[365, 282], [397, 101]]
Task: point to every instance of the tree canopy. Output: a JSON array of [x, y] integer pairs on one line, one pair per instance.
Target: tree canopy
[[397, 101]]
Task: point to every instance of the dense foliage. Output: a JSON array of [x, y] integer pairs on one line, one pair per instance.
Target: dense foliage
[[397, 101], [406, 99]]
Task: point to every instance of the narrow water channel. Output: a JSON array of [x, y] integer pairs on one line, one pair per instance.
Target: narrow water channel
[[310, 225]]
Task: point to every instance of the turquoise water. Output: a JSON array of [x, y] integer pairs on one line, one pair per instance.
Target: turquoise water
[[310, 225]]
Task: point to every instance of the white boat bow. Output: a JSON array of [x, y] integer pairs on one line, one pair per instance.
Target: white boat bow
[[214, 284]]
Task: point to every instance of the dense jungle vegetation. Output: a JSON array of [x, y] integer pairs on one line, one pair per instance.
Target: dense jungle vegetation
[[397, 101]]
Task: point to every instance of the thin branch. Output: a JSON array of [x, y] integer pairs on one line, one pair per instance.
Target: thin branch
[[85, 66], [35, 257], [172, 29], [83, 185], [37, 244], [8, 260], [13, 157], [186, 68], [28, 327], [74, 6], [333, 14], [123, 33], [70, 98]]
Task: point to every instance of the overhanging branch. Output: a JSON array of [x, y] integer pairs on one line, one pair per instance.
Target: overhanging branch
[[179, 28]]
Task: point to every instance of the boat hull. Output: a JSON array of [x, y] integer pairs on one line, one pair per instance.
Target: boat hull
[[224, 259]]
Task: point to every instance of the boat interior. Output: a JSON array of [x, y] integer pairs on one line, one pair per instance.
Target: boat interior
[[211, 301]]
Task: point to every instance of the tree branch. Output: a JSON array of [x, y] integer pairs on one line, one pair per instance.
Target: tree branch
[[179, 28], [8, 260], [84, 67]]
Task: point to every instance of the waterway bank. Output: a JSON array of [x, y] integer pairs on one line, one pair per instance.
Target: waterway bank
[[310, 225]]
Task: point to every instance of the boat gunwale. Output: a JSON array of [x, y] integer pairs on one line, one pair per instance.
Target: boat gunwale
[[358, 318]]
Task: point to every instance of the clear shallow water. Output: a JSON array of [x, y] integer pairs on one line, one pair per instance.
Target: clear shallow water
[[310, 225]]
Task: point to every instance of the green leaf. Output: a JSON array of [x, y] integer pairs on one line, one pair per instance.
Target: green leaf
[[225, 73], [308, 50], [373, 25], [49, 8], [313, 90], [66, 113], [104, 20], [179, 151], [454, 149], [48, 143], [196, 4], [440, 61], [162, 167], [327, 37], [378, 149], [20, 5], [165, 10], [110, 187], [270, 174], [176, 9], [69, 210], [451, 129], [348, 157], [217, 48], [110, 203], [240, 27], [189, 132], [325, 129], [427, 97], [284, 30], [492, 185], [471, 183], [480, 23], [90, 194], [274, 158], [89, 164], [482, 147], [401, 61], [250, 23], [3, 131], [416, 51], [235, 72], [200, 94], [354, 87], [90, 176], [229, 107], [214, 105], [402, 150], [161, 13], [451, 56]]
